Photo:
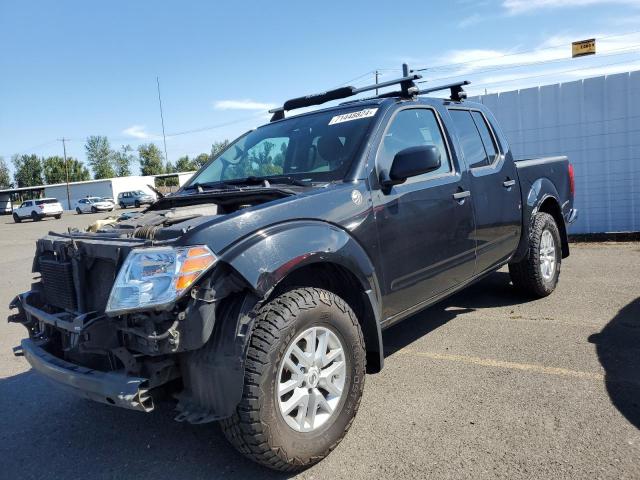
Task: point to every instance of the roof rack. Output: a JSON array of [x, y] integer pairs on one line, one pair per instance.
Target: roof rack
[[457, 92], [407, 89]]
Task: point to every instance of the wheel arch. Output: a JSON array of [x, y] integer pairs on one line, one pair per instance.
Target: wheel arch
[[542, 196], [310, 253]]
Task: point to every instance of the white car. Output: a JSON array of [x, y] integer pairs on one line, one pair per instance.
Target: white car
[[38, 209], [94, 205]]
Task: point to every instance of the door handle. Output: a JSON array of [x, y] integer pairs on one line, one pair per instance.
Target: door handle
[[461, 195], [508, 183]]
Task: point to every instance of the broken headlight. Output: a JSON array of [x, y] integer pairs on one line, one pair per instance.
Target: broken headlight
[[153, 277]]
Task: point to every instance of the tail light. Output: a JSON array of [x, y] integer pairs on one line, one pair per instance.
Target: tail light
[[41, 207], [572, 180]]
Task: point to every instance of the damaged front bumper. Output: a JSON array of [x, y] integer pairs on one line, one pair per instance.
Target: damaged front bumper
[[112, 388]]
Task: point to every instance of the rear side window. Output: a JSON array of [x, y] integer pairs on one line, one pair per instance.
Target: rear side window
[[473, 147], [485, 134], [410, 128]]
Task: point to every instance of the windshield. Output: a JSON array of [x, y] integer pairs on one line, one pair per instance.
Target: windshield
[[46, 200], [94, 199], [317, 147], [139, 192]]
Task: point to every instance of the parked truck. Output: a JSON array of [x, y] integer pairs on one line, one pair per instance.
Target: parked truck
[[258, 292]]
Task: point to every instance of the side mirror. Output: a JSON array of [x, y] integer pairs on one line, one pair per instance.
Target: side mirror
[[411, 162]]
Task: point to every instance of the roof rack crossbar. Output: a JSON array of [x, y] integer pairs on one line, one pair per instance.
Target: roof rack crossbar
[[457, 92], [406, 83]]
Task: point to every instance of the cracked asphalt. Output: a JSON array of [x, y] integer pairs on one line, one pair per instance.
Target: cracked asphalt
[[485, 384]]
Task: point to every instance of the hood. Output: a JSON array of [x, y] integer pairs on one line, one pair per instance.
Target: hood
[[219, 218]]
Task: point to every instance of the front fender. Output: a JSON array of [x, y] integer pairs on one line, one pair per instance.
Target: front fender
[[214, 375], [266, 257]]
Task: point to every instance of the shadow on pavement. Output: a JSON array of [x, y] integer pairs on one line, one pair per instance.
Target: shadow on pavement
[[46, 432], [493, 291], [618, 348]]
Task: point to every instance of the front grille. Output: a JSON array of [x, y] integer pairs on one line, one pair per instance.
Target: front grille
[[57, 280]]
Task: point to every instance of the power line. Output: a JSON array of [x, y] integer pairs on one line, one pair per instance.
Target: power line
[[495, 57], [557, 72], [622, 51]]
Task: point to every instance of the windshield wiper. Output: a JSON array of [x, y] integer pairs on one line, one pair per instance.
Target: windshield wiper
[[267, 181], [210, 185]]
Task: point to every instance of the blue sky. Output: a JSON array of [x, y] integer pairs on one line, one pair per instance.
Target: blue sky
[[78, 68]]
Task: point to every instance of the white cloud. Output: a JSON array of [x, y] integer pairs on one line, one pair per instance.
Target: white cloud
[[245, 104], [516, 7], [470, 20], [138, 131]]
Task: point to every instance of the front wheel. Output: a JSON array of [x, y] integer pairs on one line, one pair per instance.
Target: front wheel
[[304, 377], [94, 210], [537, 274], [137, 204], [78, 211], [58, 217]]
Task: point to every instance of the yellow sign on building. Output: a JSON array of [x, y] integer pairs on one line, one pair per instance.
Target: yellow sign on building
[[583, 47]]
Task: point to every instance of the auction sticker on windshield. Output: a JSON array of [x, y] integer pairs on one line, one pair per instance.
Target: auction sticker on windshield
[[347, 117]]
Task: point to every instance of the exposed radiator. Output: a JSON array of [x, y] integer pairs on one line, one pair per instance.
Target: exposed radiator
[[57, 280]]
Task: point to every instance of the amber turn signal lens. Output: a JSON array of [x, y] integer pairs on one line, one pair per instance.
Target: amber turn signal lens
[[185, 281], [196, 264]]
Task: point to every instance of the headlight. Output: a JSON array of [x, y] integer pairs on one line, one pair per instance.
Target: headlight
[[152, 277]]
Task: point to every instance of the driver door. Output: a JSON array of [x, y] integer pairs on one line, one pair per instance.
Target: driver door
[[426, 235]]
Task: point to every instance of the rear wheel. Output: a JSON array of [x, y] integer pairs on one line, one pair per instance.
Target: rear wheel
[[35, 217], [16, 218], [122, 205], [537, 274], [304, 378]]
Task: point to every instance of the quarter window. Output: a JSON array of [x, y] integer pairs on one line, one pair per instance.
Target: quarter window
[[411, 128]]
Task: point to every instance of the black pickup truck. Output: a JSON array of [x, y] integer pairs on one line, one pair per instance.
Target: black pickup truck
[[257, 293]]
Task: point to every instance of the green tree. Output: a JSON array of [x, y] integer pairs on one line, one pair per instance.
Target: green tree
[[100, 157], [54, 170], [185, 164], [200, 160], [151, 161], [28, 170], [5, 177], [218, 147], [122, 160]]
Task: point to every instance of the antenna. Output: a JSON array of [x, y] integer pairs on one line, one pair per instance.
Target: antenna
[[164, 138]]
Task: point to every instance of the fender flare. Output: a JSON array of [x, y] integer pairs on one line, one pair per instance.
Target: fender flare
[[539, 192], [258, 263]]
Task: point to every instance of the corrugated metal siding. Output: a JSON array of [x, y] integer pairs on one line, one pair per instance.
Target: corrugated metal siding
[[596, 122]]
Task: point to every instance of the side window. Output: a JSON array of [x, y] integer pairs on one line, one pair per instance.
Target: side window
[[410, 128], [485, 134], [470, 140]]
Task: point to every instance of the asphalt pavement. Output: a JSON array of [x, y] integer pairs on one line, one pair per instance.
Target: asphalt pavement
[[486, 384]]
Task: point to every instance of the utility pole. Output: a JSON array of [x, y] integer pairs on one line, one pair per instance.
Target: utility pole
[[66, 169], [376, 82], [164, 138]]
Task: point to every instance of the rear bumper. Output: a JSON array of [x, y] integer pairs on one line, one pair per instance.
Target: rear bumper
[[111, 388]]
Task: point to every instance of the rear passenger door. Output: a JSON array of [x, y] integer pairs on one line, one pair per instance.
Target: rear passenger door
[[495, 191]]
